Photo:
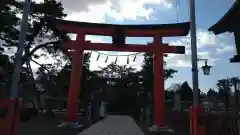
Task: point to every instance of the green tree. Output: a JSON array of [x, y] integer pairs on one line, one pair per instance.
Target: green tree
[[46, 80], [212, 93], [147, 71], [185, 92], [6, 70], [57, 83], [224, 87], [224, 90], [41, 33], [9, 21], [118, 82]]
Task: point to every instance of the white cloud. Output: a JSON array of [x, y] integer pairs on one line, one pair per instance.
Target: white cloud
[[10, 51], [92, 10], [206, 43], [96, 14], [97, 10], [225, 49], [204, 39], [184, 60]]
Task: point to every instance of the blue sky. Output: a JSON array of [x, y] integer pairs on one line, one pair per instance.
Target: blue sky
[[208, 13], [218, 49]]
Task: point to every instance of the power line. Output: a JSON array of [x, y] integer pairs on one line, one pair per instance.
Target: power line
[[178, 10], [188, 10]]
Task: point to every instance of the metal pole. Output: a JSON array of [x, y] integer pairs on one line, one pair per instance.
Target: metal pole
[[22, 36], [235, 81], [226, 89], [194, 52]]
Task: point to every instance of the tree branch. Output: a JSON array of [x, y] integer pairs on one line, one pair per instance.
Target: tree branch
[[26, 57], [6, 40], [40, 65]]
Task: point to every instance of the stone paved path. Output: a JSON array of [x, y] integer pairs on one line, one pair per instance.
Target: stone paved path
[[111, 125], [114, 125]]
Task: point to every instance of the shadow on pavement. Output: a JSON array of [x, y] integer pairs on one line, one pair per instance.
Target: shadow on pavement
[[42, 125]]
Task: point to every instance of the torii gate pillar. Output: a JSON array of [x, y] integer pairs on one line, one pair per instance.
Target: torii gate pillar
[[74, 90], [158, 85]]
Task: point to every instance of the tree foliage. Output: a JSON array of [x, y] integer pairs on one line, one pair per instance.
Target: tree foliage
[[148, 74], [6, 70], [212, 93], [8, 30], [185, 92], [223, 88], [41, 33]]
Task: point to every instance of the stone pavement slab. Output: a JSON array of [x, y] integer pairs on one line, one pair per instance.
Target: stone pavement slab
[[114, 125]]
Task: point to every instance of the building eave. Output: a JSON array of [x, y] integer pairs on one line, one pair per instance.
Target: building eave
[[228, 22]]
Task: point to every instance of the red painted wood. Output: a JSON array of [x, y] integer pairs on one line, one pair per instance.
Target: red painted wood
[[16, 120], [161, 48], [75, 85], [9, 125], [157, 47], [128, 32], [158, 86], [195, 120], [191, 120], [110, 47], [195, 127]]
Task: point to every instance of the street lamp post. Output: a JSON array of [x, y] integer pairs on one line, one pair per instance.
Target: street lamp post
[[194, 109], [237, 87], [194, 52]]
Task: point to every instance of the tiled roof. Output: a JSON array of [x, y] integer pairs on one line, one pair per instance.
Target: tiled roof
[[229, 22]]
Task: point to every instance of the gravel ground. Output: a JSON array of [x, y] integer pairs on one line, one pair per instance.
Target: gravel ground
[[114, 124], [48, 126]]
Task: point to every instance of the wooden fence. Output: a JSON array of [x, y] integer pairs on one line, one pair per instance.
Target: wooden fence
[[222, 124], [212, 123]]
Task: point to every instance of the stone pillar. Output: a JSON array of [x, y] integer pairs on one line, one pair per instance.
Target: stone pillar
[[177, 102]]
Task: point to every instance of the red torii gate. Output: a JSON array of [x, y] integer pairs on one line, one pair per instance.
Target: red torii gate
[[119, 33]]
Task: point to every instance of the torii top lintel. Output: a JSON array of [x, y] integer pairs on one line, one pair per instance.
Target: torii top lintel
[[148, 30]]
